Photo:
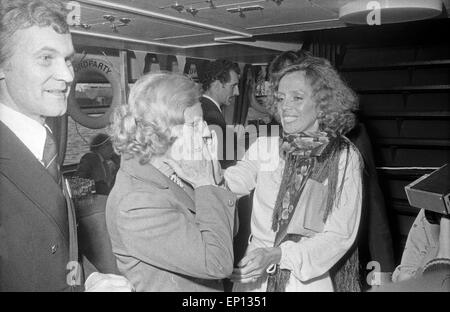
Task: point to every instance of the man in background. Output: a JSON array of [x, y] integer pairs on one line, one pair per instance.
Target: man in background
[[220, 85], [98, 165]]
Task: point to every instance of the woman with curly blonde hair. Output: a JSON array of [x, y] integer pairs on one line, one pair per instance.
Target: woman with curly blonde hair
[[307, 200], [170, 224]]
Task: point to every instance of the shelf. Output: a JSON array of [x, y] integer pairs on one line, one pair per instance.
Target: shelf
[[406, 89], [413, 142], [404, 173], [400, 65], [407, 115]]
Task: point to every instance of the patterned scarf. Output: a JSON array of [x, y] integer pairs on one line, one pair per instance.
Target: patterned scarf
[[312, 155], [299, 152]]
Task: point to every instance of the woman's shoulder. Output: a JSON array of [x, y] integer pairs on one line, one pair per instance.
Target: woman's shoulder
[[350, 156], [263, 142], [265, 150]]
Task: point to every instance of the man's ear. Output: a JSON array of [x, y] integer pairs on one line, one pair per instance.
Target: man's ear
[[215, 86]]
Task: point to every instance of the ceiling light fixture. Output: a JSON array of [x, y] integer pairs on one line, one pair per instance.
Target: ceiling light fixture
[[125, 20], [211, 4], [109, 18], [82, 25], [278, 2], [389, 11], [241, 10], [192, 10], [177, 7], [85, 26]]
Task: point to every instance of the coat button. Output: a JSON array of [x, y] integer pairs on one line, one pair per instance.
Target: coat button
[[54, 248], [230, 202]]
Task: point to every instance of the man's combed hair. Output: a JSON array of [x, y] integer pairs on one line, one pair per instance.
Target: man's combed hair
[[336, 101], [20, 14], [142, 127], [218, 70]]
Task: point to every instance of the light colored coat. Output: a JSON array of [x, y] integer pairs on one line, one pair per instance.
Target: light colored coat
[[166, 238]]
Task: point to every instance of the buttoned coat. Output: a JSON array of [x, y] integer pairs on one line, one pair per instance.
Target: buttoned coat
[[168, 238], [34, 227]]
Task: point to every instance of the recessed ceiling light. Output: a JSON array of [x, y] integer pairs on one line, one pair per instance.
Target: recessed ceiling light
[[389, 11]]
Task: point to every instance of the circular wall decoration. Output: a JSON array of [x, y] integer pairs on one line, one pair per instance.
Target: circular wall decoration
[[94, 66]]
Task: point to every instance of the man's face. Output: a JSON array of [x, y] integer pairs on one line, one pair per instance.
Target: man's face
[[38, 75], [228, 90], [107, 150]]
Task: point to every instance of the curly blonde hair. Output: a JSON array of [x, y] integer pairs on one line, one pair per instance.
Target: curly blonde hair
[[336, 102], [142, 127]]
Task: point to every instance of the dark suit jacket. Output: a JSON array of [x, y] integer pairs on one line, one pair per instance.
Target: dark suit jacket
[[34, 227], [214, 118], [375, 235]]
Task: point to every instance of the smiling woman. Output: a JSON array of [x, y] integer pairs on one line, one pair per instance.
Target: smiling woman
[[295, 105], [306, 212]]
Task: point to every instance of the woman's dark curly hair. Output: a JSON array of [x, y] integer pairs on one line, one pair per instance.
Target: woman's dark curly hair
[[336, 102]]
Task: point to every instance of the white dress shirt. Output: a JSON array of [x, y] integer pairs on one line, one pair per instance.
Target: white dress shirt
[[33, 135], [29, 131]]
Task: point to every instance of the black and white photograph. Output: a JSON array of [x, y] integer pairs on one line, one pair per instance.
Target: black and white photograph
[[211, 149]]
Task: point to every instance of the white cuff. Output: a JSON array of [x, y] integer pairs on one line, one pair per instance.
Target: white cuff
[[286, 260]]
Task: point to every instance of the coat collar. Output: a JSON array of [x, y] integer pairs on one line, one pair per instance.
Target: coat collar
[[213, 101], [149, 174]]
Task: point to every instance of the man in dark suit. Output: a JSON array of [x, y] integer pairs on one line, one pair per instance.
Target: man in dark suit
[[38, 249], [98, 165], [220, 85]]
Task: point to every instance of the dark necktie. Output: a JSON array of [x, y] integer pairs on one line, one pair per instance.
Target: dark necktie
[[50, 157]]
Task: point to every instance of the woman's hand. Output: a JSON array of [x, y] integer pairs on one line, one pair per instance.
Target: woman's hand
[[255, 264], [196, 172], [192, 156]]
